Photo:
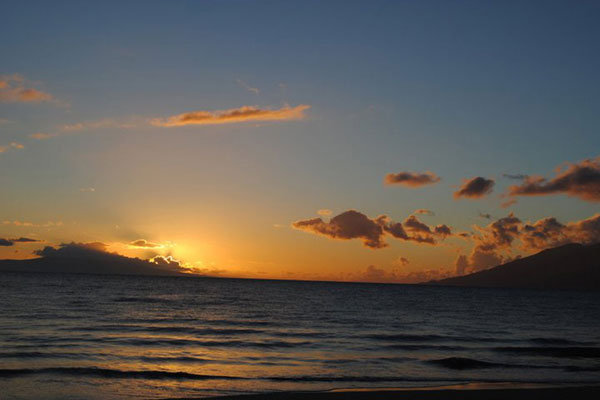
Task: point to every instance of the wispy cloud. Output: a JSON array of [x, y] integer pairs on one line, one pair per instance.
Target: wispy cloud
[[232, 116], [411, 179], [42, 135], [424, 211], [12, 145], [324, 212], [101, 123], [28, 224], [14, 89], [247, 87]]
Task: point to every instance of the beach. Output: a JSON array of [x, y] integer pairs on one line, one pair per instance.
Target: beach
[[458, 392]]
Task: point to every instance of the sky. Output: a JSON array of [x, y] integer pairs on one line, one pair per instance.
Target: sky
[[343, 140]]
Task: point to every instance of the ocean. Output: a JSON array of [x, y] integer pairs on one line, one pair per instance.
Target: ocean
[[66, 336]]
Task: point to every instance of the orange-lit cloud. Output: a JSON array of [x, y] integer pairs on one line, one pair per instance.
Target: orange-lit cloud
[[353, 224], [324, 212], [475, 188], [411, 179], [42, 135], [143, 243], [12, 145], [231, 116], [580, 180], [13, 90], [424, 211]]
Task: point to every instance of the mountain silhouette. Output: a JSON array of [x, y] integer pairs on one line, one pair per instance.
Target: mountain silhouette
[[571, 266]]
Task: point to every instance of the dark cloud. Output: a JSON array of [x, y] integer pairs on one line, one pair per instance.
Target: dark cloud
[[411, 179], [93, 258], [356, 225], [580, 180], [413, 224], [518, 177], [10, 242], [442, 230], [402, 261], [25, 240], [475, 188], [347, 225]]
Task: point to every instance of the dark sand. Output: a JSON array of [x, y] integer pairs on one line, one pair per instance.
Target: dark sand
[[495, 392]]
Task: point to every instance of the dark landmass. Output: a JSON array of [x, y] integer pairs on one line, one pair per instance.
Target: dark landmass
[[572, 266], [83, 259], [531, 393]]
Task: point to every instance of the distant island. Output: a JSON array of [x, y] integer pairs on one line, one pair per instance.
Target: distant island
[[571, 266], [81, 258]]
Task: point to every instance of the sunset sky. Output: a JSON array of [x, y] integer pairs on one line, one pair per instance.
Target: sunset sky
[[375, 140]]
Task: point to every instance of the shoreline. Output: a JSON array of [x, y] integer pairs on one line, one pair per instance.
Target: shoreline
[[474, 391]]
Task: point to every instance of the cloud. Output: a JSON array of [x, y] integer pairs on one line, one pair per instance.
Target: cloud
[[167, 261], [123, 123], [347, 225], [485, 215], [508, 203], [401, 261], [12, 145], [424, 211], [145, 244], [324, 212], [580, 180], [93, 258], [247, 87], [380, 275], [353, 224], [13, 90], [49, 224], [42, 135], [475, 188], [494, 243], [518, 177], [87, 189], [411, 179], [234, 115], [11, 242]]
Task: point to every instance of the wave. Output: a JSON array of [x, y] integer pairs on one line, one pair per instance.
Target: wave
[[558, 341], [559, 352], [112, 373], [418, 347], [163, 329]]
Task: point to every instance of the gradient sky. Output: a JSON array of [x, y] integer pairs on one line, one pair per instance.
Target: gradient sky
[[460, 88]]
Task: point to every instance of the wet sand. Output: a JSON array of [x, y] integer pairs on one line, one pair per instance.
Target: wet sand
[[460, 392]]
